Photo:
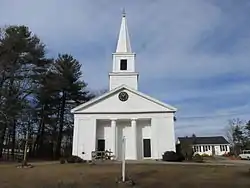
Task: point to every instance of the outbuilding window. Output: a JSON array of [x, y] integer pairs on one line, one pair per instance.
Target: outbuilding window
[[197, 148], [223, 148], [206, 148]]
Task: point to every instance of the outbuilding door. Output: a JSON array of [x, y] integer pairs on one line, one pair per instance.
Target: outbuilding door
[[146, 148]]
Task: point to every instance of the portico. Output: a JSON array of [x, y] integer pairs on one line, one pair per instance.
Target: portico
[[109, 134]]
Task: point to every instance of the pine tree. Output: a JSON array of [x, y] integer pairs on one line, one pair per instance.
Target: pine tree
[[21, 56], [70, 87], [34, 94]]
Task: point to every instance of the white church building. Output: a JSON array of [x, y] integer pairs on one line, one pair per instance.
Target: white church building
[[147, 124]]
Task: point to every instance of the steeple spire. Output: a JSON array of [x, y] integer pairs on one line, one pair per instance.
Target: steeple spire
[[123, 71], [123, 13], [123, 44]]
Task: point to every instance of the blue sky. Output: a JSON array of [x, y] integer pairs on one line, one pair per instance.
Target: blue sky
[[194, 55]]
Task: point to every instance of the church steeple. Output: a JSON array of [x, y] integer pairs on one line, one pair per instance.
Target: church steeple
[[123, 72], [123, 44]]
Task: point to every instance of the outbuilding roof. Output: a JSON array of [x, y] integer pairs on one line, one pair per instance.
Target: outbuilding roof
[[203, 140]]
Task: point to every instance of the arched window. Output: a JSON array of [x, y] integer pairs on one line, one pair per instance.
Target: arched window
[[123, 64]]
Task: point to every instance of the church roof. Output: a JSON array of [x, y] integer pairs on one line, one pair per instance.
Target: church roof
[[123, 44], [122, 87]]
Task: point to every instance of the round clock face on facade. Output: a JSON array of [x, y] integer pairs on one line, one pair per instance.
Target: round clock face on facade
[[123, 96]]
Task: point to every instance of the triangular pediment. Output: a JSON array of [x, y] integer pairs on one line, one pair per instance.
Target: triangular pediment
[[136, 102]]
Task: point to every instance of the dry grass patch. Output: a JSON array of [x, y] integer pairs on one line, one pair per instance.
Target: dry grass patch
[[148, 175]]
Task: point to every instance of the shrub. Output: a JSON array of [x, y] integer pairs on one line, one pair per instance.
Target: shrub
[[70, 159], [185, 150], [62, 160], [181, 157], [225, 155], [205, 155], [78, 159], [74, 159], [198, 158], [172, 156], [229, 154]]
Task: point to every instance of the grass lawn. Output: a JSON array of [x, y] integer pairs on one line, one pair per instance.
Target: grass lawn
[[104, 175]]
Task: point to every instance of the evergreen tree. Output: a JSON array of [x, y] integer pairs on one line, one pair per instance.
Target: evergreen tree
[[21, 56], [34, 95], [70, 87]]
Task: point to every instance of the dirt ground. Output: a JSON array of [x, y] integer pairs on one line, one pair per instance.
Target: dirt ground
[[105, 176]]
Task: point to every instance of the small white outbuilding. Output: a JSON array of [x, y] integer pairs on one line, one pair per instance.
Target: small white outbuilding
[[146, 123]]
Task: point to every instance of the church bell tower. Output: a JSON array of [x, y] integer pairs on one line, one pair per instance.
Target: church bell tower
[[123, 72]]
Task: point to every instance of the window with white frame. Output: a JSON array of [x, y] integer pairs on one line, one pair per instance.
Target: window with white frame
[[197, 148], [223, 148], [206, 148], [194, 148]]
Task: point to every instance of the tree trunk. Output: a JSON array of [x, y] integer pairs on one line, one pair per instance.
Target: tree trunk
[[12, 114], [40, 141], [61, 121], [54, 141], [2, 138], [25, 149], [13, 140], [8, 145], [36, 144]]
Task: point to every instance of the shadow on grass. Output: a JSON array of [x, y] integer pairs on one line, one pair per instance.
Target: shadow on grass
[[144, 174], [63, 185], [244, 174]]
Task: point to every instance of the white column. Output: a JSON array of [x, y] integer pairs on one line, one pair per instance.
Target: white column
[[75, 137], [113, 128], [134, 137]]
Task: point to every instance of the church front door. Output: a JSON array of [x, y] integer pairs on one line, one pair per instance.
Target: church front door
[[146, 148], [101, 145]]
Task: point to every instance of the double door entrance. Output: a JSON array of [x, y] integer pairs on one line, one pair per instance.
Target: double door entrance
[[145, 149]]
